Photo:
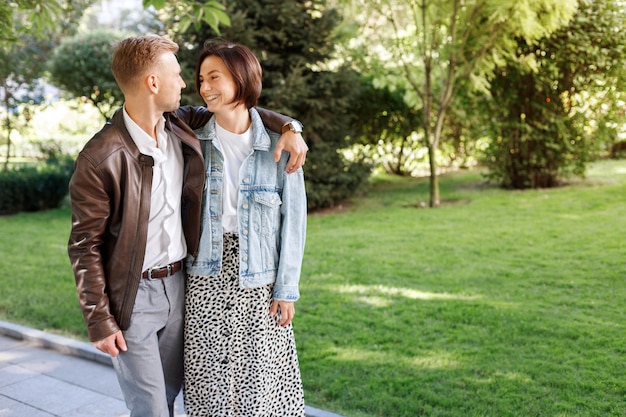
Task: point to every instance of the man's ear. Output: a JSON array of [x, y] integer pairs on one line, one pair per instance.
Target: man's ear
[[152, 82]]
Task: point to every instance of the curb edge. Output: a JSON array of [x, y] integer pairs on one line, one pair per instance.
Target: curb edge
[[87, 351]]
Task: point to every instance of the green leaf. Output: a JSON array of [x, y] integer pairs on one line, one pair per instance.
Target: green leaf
[[184, 24], [158, 4], [214, 5], [222, 18]]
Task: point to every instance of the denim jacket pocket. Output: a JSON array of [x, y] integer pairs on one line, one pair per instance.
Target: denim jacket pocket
[[266, 212]]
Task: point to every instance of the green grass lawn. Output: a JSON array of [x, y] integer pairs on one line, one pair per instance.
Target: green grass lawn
[[499, 303]]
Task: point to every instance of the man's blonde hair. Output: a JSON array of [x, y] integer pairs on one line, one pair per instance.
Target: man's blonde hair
[[136, 56]]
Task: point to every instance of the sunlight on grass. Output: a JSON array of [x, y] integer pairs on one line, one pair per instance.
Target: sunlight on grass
[[436, 360], [509, 376], [433, 360], [374, 301], [607, 171], [402, 292], [569, 216]]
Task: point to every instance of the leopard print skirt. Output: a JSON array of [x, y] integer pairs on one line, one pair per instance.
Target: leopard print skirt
[[238, 361]]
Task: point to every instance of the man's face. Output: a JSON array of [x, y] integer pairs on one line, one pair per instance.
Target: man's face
[[170, 82]]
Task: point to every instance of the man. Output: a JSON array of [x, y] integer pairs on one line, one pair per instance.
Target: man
[[136, 206]]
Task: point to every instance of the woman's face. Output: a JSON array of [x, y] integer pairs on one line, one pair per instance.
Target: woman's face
[[217, 86]]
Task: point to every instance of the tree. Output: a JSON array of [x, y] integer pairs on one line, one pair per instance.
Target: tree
[[22, 53], [187, 13], [35, 17], [29, 30], [384, 125], [81, 65], [294, 41], [433, 47], [547, 119], [20, 65]]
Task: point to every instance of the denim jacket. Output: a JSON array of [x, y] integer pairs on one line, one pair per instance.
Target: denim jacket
[[271, 211]]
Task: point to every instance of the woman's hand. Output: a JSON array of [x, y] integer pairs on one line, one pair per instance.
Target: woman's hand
[[286, 310]]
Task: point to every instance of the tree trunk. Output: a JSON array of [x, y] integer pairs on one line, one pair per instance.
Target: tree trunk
[[8, 128], [434, 179]]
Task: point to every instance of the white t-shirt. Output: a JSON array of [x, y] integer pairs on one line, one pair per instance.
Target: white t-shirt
[[235, 147]]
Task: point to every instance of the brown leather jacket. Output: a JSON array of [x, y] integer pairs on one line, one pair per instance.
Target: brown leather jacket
[[110, 197]]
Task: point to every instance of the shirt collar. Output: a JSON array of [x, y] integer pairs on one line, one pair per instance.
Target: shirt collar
[[144, 142]]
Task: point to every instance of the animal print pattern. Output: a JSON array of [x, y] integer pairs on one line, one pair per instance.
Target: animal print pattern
[[238, 361]]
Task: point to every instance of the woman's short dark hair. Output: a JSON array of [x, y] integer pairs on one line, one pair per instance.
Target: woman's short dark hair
[[242, 64]]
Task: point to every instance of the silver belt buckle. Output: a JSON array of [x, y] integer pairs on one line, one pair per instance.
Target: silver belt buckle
[[169, 269]]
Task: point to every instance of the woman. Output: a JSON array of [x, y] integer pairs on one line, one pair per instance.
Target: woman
[[240, 352]]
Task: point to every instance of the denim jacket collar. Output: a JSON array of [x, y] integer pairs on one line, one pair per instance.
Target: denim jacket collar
[[261, 142]]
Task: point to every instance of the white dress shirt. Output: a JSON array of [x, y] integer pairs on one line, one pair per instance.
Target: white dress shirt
[[166, 242]]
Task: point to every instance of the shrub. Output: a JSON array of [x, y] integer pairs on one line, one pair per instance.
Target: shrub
[[33, 188], [330, 179]]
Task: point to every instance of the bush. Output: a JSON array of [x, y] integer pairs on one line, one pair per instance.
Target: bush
[[33, 188], [330, 179]]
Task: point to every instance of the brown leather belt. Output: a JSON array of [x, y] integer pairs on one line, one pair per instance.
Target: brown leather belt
[[163, 272]]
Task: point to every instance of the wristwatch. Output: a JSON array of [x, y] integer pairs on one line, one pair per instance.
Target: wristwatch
[[293, 125]]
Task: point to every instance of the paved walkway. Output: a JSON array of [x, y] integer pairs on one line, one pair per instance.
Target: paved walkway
[[44, 375]]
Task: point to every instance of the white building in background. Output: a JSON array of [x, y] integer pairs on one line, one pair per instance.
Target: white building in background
[[112, 12], [124, 15]]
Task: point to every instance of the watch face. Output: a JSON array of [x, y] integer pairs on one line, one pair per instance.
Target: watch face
[[294, 126]]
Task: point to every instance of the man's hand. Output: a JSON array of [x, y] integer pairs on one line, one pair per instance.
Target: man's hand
[[296, 146], [286, 310], [112, 344]]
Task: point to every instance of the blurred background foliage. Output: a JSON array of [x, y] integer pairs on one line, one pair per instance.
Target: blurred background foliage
[[530, 93]]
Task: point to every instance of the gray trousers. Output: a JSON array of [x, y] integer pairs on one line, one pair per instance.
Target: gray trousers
[[150, 372]]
